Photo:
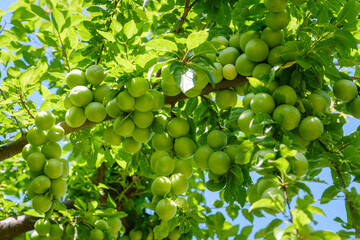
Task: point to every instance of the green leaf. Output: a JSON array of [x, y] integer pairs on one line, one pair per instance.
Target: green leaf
[[185, 78], [196, 38], [264, 203], [40, 12], [107, 35], [130, 29], [282, 164], [326, 235], [300, 219], [329, 194], [205, 48], [58, 19], [161, 45], [233, 211]]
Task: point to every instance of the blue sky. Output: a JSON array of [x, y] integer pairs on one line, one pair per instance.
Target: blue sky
[[333, 209]]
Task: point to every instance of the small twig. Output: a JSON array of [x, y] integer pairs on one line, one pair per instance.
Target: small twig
[[107, 29], [64, 52], [187, 9], [24, 105], [347, 197], [305, 21]]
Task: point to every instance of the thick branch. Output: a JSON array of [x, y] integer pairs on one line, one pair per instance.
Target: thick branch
[[11, 149], [14, 226]]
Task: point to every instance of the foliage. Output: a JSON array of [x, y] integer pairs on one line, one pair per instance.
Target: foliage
[[46, 39]]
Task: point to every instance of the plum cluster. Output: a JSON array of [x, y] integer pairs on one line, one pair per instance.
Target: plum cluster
[[44, 229], [173, 171], [82, 102], [43, 156], [133, 111]]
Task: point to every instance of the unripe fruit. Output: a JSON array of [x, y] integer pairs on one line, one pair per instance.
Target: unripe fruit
[[274, 56], [115, 224], [285, 95], [179, 183], [51, 150], [55, 134], [75, 78], [95, 75], [216, 139], [217, 72], [58, 187], [317, 102], [178, 127], [101, 92], [41, 184], [226, 99], [36, 136], [234, 41], [96, 234], [80, 96], [277, 20], [53, 168], [301, 164], [275, 5], [67, 102], [143, 119], [244, 66], [130, 145], [75, 117], [36, 161], [95, 112], [228, 55], [184, 167], [135, 234], [164, 165], [345, 90], [289, 115], [112, 109], [123, 127], [229, 72], [170, 90], [246, 37], [102, 225], [272, 38], [247, 100], [202, 156], [311, 128], [142, 135], [28, 149], [261, 69], [144, 103], [42, 227], [137, 86], [111, 137], [262, 103], [256, 50], [41, 203], [244, 121], [166, 75], [161, 186], [65, 171], [45, 120], [162, 141], [125, 101], [354, 108], [159, 100], [156, 155], [219, 163], [221, 40], [166, 209], [56, 231]]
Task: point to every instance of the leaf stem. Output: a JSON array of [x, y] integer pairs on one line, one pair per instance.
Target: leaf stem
[[24, 105], [347, 197], [107, 29]]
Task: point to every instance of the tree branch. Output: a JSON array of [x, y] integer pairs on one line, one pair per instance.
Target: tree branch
[[11, 149], [347, 197], [14, 226], [187, 9]]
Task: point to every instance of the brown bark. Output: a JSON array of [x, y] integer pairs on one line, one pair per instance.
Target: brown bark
[[11, 149]]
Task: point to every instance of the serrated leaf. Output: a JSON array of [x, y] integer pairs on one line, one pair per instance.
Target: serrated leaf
[[130, 29], [196, 38], [161, 45], [107, 35]]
